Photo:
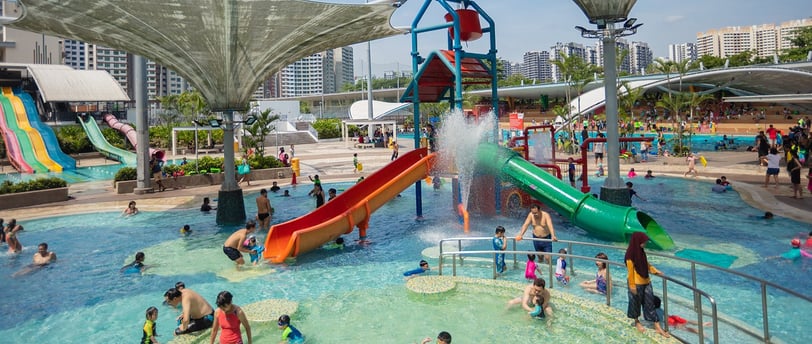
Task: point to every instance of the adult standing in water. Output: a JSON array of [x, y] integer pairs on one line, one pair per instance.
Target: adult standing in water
[[233, 247], [264, 210], [640, 292], [542, 229], [228, 317]]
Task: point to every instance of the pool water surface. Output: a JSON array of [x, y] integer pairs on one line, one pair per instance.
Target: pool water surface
[[358, 292]]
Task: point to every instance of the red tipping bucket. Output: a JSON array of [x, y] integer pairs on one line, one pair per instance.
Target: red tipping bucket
[[469, 25]]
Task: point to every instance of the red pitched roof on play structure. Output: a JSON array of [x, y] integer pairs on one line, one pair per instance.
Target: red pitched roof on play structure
[[435, 78]]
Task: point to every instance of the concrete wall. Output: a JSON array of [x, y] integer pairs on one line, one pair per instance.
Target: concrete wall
[[25, 199]]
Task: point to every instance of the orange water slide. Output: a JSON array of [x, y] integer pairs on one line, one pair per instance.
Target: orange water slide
[[352, 208]]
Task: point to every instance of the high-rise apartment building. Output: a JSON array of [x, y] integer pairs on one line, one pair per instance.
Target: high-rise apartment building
[[624, 65], [537, 66], [567, 49], [641, 57], [682, 51], [320, 73], [765, 39]]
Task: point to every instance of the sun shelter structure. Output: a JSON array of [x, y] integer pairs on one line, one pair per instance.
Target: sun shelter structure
[[223, 48], [359, 116]]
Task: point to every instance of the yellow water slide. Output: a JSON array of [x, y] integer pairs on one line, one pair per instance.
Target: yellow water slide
[[36, 139]]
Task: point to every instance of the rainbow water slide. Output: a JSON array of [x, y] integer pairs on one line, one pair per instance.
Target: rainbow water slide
[[27, 152], [350, 209], [48, 136], [97, 139], [35, 137], [13, 150], [601, 219], [127, 130]]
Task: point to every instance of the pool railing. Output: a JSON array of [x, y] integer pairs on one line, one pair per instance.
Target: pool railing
[[698, 294]]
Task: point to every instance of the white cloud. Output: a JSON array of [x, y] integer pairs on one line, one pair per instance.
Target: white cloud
[[673, 19]]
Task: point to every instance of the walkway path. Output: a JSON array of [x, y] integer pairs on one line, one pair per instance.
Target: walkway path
[[332, 161]]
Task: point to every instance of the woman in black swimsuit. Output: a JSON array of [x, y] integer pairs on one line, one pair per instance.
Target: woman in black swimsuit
[[318, 192]]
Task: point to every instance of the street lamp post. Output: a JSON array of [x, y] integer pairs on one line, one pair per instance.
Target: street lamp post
[[605, 14]]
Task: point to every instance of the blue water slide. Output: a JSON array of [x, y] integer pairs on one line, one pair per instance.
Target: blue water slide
[[48, 135]]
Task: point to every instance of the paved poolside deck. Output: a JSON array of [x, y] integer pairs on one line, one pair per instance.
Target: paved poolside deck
[[332, 161]]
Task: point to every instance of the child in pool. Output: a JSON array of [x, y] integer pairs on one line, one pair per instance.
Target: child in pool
[[649, 175], [137, 265], [531, 268], [424, 266], [251, 244], [500, 244], [600, 172], [561, 268], [289, 333], [186, 230], [538, 309], [631, 173], [600, 284], [337, 244], [149, 330]]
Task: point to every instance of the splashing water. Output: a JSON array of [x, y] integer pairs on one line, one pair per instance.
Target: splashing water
[[458, 141]]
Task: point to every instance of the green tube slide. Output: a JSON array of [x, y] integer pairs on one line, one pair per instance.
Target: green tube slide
[[601, 219], [97, 139]]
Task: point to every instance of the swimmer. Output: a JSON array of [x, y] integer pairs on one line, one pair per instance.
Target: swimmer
[[767, 215], [137, 265], [337, 244], [600, 284], [289, 333], [600, 172], [43, 256], [11, 230], [631, 173], [264, 210], [274, 187], [130, 210], [442, 338], [206, 205], [795, 252], [331, 194], [186, 230], [649, 175], [286, 193], [424, 266]]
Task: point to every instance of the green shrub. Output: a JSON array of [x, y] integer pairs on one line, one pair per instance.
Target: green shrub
[[115, 137], [126, 173], [260, 162], [328, 128], [32, 185], [73, 139]]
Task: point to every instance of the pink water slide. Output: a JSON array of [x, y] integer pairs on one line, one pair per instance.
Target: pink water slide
[[129, 132]]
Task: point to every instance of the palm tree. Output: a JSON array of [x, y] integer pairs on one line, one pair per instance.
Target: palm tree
[[628, 99], [192, 104], [578, 74], [682, 68], [694, 101], [674, 103], [260, 130]]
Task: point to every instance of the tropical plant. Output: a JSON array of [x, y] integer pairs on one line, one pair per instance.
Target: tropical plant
[[126, 173], [115, 138], [259, 131], [328, 128], [674, 103], [801, 41], [628, 100], [577, 73], [73, 139]]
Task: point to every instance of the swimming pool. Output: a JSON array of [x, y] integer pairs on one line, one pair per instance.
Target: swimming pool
[[358, 292], [80, 174]]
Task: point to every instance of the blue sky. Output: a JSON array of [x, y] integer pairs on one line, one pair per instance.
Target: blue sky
[[525, 25]]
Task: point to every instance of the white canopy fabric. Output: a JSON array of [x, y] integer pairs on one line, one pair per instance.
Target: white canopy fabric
[[223, 48], [59, 83], [360, 109]]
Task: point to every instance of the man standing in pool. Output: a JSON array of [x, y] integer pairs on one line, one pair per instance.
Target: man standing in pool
[[197, 314], [233, 246], [264, 210], [542, 229]]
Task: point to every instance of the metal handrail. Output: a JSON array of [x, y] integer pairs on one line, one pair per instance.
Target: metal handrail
[[698, 293]]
